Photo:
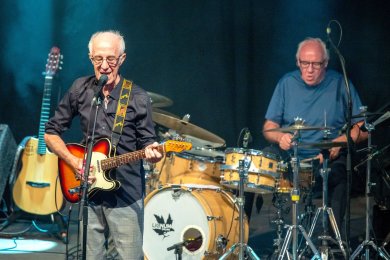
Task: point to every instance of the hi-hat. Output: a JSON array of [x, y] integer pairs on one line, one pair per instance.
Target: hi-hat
[[185, 128], [323, 145], [159, 100], [298, 127]]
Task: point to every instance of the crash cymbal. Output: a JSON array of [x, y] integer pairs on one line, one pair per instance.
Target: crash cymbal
[[159, 100], [366, 114], [297, 127], [323, 145], [187, 129]]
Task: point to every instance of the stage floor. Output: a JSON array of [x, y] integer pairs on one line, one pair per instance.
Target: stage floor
[[22, 239]]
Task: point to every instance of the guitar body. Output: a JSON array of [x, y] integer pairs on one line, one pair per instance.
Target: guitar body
[[71, 184], [36, 190], [101, 165]]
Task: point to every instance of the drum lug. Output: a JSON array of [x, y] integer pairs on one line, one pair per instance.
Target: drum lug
[[209, 218]]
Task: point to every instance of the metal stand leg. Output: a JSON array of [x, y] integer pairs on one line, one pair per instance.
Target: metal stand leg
[[292, 231], [242, 169], [367, 242], [326, 212]]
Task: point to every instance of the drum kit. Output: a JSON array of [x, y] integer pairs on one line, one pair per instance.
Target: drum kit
[[191, 207]]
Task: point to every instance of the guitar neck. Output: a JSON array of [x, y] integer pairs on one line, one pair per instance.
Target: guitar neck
[[119, 160], [45, 112]]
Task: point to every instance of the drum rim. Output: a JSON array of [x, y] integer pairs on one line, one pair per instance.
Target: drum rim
[[252, 152], [198, 158]]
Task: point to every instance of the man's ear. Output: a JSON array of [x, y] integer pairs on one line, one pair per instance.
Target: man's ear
[[122, 58]]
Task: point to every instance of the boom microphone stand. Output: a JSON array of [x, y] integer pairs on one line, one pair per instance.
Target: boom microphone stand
[[348, 131], [83, 214]]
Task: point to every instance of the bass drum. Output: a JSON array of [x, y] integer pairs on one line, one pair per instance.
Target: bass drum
[[203, 216]]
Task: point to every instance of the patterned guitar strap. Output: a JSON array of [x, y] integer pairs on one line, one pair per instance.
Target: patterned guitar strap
[[120, 114]]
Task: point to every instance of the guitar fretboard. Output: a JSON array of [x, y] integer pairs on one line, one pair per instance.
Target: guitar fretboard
[[45, 113], [119, 160]]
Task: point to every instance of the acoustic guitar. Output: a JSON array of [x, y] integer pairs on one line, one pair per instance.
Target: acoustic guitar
[[102, 164], [35, 189]]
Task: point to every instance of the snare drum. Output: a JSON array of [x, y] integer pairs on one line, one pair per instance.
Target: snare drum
[[263, 170], [204, 215], [306, 179], [186, 168]]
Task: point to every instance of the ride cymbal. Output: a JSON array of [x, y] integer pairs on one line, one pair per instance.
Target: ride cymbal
[[186, 128], [158, 100]]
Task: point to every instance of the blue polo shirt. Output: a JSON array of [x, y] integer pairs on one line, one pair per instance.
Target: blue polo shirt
[[326, 101]]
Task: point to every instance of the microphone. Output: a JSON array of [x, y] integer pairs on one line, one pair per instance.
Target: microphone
[[100, 84], [247, 138]]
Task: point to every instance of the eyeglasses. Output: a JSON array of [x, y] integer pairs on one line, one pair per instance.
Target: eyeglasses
[[316, 65], [111, 60]]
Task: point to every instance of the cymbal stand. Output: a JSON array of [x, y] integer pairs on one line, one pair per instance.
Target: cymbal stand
[[243, 166], [278, 203], [368, 242], [325, 209], [295, 197]]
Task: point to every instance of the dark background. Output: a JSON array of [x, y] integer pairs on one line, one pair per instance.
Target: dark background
[[219, 61]]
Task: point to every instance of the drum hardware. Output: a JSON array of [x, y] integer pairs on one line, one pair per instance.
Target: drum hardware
[[368, 242], [324, 249], [278, 202], [243, 247], [292, 232]]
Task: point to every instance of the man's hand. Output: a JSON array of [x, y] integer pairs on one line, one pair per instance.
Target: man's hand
[[152, 154], [79, 169], [285, 142]]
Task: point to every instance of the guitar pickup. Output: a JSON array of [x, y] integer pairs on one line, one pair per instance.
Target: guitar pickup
[[74, 190], [38, 184]]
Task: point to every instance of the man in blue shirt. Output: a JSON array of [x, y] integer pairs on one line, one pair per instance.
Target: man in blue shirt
[[319, 97]]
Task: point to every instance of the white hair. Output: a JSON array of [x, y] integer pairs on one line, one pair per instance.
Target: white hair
[[310, 39], [122, 45]]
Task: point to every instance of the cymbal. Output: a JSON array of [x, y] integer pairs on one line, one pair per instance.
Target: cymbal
[[185, 128], [158, 110], [159, 100], [366, 114], [297, 127], [323, 145]]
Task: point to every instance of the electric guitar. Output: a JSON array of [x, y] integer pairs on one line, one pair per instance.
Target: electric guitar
[[35, 190], [101, 164]]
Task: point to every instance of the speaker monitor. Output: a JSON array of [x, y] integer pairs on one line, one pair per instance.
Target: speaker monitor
[[7, 155]]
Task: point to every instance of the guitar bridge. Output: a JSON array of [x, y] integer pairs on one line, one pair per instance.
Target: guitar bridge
[[74, 190], [38, 184]]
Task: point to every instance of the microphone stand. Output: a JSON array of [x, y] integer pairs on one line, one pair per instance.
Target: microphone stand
[[348, 134], [179, 246], [83, 213]]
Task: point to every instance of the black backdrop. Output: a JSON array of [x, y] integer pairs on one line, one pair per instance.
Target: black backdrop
[[217, 60]]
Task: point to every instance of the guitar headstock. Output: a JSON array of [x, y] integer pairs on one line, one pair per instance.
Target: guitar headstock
[[54, 62], [177, 146]]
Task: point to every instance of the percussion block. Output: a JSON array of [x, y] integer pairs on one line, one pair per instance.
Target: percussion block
[[7, 154]]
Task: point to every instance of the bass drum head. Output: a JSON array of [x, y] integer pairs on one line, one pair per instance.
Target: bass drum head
[[202, 217]]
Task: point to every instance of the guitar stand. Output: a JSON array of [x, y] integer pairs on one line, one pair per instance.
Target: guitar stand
[[293, 229], [243, 166], [326, 212]]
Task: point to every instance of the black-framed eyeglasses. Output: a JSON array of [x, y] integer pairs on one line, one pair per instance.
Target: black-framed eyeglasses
[[111, 60], [316, 65]]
